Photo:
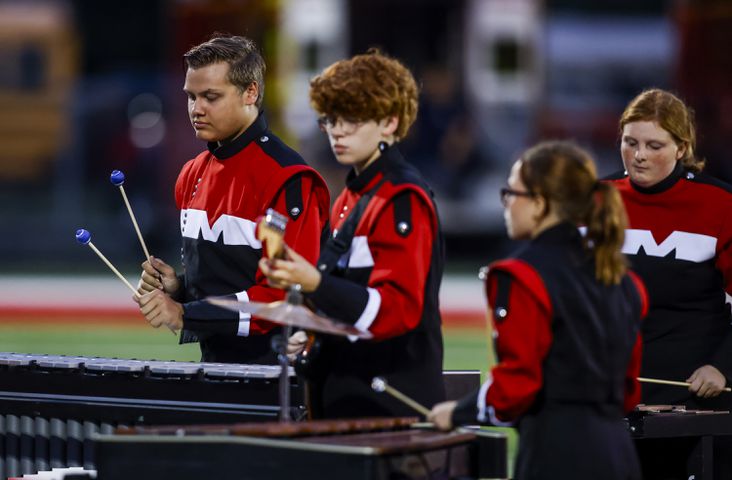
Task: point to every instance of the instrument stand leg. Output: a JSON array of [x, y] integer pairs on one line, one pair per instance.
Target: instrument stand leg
[[700, 463], [279, 345]]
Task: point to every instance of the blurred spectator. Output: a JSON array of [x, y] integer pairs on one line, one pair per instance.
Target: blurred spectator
[[443, 143]]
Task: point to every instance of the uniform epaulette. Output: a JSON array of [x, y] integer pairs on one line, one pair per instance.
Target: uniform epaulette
[[706, 179], [278, 150]]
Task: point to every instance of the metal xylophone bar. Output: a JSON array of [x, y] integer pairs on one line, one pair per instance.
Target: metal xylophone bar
[[31, 445], [51, 406]]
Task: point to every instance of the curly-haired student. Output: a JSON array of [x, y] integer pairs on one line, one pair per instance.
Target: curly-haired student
[[381, 269]]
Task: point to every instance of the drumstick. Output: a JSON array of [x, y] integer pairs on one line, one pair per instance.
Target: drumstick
[[672, 382], [84, 238], [379, 385], [118, 178]]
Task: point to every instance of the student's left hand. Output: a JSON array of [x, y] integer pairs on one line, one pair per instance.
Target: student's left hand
[[286, 273], [706, 382], [159, 309]]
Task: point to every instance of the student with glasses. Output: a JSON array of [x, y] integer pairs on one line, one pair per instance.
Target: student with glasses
[[381, 269], [567, 314], [508, 193]]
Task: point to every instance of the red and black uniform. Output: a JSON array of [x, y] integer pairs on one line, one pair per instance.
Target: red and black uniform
[[569, 354], [220, 194], [385, 282], [679, 241]]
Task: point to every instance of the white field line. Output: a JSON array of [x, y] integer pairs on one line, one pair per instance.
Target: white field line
[[458, 293]]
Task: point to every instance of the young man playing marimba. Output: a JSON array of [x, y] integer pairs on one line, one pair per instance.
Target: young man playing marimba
[[245, 170]]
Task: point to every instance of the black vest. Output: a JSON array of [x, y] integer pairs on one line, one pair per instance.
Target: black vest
[[594, 326], [411, 363]]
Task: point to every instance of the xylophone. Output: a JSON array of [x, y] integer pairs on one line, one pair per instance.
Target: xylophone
[[367, 449], [52, 405], [691, 433]]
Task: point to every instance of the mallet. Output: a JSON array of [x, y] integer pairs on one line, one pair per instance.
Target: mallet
[[118, 178], [672, 382], [84, 238], [379, 385]]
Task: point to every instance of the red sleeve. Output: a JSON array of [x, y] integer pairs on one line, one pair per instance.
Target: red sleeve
[[632, 385], [401, 266], [721, 359], [724, 254], [524, 336], [302, 234], [642, 292]]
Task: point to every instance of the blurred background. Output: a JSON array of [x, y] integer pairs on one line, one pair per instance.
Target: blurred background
[[88, 86]]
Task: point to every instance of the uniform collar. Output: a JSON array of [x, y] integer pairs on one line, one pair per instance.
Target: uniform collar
[[563, 232], [664, 184], [358, 183], [227, 150]]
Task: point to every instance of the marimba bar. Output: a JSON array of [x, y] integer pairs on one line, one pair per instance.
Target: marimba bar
[[357, 449]]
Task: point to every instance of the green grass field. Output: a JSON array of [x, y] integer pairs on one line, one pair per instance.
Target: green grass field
[[465, 348]]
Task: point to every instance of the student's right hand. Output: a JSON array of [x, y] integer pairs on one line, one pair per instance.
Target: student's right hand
[[707, 381], [296, 344], [157, 275]]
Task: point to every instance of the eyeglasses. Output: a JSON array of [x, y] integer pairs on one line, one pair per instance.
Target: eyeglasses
[[509, 192], [348, 126]]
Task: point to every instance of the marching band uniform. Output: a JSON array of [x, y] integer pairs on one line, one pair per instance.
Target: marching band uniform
[[679, 241], [569, 355], [381, 271], [220, 194]]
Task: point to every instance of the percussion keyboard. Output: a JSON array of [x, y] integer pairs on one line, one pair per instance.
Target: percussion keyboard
[[52, 405]]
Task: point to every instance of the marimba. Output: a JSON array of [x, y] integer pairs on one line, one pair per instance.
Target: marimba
[[51, 406], [361, 449], [695, 431]]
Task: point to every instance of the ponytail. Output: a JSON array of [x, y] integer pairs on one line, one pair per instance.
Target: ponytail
[[566, 176], [606, 222]]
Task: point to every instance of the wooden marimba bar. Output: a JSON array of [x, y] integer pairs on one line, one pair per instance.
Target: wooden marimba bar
[[51, 406], [357, 449]]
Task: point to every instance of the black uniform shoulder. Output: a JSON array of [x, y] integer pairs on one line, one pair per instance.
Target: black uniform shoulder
[[706, 179], [408, 181], [400, 172], [278, 150]]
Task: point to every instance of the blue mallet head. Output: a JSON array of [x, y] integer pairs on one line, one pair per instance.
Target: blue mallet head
[[83, 236], [117, 178]]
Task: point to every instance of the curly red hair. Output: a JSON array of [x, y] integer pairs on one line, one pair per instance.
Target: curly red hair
[[371, 86]]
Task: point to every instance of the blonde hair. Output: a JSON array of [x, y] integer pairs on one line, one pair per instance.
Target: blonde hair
[[672, 114]]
